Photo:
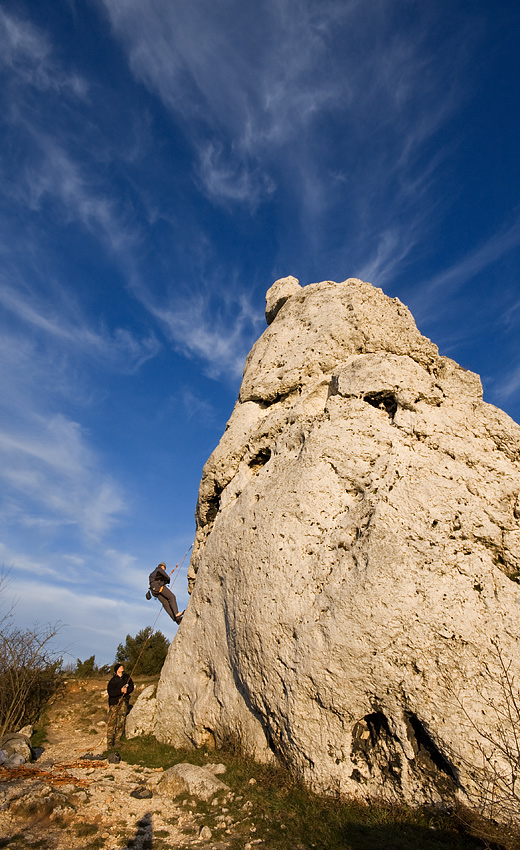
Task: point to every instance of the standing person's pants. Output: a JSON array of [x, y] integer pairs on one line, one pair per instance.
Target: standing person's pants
[[169, 603], [116, 723]]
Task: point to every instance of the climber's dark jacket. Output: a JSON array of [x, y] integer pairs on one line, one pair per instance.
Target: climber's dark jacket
[[158, 579]]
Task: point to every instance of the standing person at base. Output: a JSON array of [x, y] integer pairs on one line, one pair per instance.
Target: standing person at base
[[158, 581], [119, 689]]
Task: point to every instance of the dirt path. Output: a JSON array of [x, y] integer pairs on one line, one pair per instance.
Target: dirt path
[[64, 802], [77, 721]]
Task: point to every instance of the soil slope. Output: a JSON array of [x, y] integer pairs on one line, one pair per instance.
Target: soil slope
[[64, 800]]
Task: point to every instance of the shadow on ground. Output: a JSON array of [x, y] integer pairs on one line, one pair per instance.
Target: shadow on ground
[[405, 837], [143, 839]]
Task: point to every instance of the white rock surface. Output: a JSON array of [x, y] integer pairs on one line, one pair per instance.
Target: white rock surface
[[15, 760], [191, 779], [16, 744], [215, 769], [357, 555], [140, 721], [278, 294]]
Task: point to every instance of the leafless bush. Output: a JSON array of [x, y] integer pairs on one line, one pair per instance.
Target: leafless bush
[[494, 795], [29, 671]]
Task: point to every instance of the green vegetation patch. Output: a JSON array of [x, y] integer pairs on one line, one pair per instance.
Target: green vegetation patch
[[83, 829], [95, 844], [148, 752], [19, 840], [39, 735], [287, 816]]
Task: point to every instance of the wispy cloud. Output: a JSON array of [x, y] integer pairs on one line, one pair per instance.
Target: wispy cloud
[[200, 328], [16, 563], [26, 53], [60, 170], [197, 408], [60, 319], [90, 622], [326, 108], [225, 180], [92, 618], [459, 275], [253, 77], [54, 342], [57, 180], [52, 180], [509, 385], [390, 248], [51, 478]]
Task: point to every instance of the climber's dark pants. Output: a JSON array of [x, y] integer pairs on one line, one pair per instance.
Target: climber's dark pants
[[169, 603]]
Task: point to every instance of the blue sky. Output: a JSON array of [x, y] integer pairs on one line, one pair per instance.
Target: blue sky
[[162, 163]]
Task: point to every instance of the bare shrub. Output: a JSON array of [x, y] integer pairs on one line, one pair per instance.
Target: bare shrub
[[29, 671], [494, 795]]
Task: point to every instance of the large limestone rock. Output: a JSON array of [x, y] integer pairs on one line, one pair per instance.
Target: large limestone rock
[[140, 721], [356, 561]]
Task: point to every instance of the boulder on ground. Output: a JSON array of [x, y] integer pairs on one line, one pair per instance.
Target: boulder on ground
[[16, 760], [215, 769], [16, 743], [191, 779]]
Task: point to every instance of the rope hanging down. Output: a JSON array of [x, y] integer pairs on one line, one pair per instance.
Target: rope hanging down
[[179, 564]]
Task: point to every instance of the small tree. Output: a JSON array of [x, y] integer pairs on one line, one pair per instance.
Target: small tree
[[86, 669], [145, 653]]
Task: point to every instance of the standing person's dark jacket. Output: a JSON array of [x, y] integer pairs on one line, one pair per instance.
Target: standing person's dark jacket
[[115, 686]]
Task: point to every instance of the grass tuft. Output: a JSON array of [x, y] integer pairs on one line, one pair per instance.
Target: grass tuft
[[83, 829], [285, 815], [39, 735]]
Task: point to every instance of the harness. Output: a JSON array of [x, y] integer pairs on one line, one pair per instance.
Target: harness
[[157, 585]]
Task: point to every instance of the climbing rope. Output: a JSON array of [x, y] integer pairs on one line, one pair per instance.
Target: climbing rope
[[179, 564]]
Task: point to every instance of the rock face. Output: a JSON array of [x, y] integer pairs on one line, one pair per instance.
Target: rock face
[[356, 564], [140, 719]]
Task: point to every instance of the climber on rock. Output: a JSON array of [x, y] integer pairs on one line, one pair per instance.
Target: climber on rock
[[159, 578]]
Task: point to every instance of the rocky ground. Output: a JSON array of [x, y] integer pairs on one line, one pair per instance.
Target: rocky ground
[[64, 800]]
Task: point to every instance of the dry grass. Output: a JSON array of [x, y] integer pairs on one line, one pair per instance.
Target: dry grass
[[286, 816]]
